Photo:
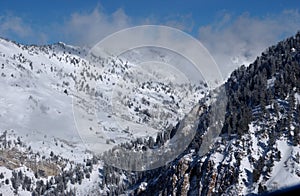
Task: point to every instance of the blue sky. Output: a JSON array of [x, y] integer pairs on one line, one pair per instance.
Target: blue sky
[[45, 17], [233, 31]]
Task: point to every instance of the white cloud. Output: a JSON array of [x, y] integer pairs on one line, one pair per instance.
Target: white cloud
[[89, 28], [86, 29], [10, 24], [15, 28], [236, 41], [231, 40], [182, 22]]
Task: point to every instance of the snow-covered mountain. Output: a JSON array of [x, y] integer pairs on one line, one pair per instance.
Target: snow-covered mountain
[[258, 149], [42, 81], [55, 95], [39, 137], [57, 106]]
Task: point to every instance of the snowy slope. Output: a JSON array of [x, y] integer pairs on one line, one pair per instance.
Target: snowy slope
[[60, 103], [43, 83]]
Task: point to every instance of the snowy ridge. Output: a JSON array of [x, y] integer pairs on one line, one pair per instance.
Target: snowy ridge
[[43, 84]]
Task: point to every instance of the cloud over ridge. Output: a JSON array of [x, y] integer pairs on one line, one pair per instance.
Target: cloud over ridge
[[239, 40]]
